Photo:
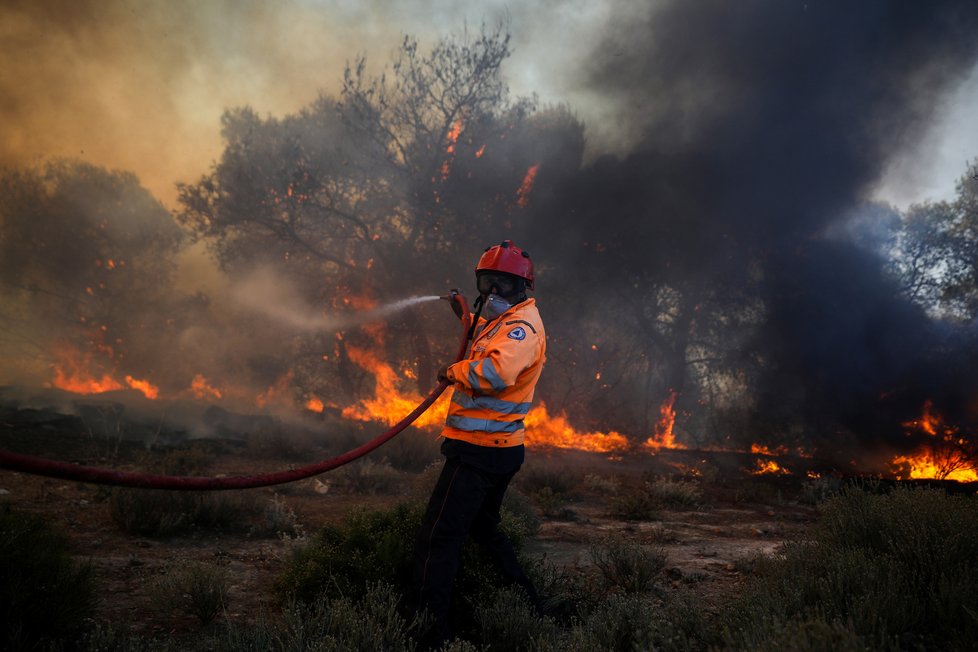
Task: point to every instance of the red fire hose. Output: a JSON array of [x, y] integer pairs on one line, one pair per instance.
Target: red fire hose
[[66, 471]]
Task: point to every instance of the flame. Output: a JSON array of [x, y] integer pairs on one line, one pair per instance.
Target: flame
[[545, 431], [760, 449], [664, 437], [944, 464], [314, 404], [202, 389], [71, 373], [148, 389], [452, 141], [277, 392], [947, 457], [388, 405], [523, 194], [929, 422], [479, 152], [768, 467]]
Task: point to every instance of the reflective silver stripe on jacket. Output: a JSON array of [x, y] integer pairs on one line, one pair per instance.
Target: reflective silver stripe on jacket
[[483, 425]]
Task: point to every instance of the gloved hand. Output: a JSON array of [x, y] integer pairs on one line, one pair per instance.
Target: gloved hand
[[456, 305], [443, 374]]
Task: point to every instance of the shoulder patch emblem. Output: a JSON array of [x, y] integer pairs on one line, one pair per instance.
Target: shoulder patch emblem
[[517, 334]]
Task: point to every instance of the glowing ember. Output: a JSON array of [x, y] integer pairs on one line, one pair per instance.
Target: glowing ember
[[148, 389], [523, 194], [202, 389], [664, 437], [556, 432]]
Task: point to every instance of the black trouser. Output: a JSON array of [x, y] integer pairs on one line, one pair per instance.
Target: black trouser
[[465, 501]]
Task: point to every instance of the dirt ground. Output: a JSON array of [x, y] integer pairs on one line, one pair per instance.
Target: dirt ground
[[736, 516]]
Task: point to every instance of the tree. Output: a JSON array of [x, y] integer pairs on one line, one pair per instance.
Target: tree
[[85, 261], [935, 254], [386, 192]]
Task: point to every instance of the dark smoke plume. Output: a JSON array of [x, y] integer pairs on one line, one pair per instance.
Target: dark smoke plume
[[759, 124]]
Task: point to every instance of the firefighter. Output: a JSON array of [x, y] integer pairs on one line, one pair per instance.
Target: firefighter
[[483, 434]]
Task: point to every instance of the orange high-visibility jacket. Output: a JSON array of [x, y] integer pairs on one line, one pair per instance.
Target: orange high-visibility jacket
[[494, 385]]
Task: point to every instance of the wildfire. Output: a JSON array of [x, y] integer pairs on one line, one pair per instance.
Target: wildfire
[[523, 194], [769, 467], [202, 389], [556, 432], [71, 373], [948, 456], [664, 437], [452, 141], [148, 389], [388, 405], [314, 404]]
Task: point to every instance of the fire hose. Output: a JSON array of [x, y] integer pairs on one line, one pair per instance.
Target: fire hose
[[66, 471]]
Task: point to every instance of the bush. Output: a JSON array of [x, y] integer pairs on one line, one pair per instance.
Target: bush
[[891, 567], [371, 622], [637, 622], [161, 513], [635, 505], [627, 566], [45, 596], [412, 451], [675, 494], [368, 477], [194, 589], [508, 622], [371, 546]]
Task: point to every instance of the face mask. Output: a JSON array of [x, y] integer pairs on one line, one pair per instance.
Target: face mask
[[495, 306]]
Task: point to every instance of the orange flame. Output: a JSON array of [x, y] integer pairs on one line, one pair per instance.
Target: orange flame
[[545, 431], [388, 405], [314, 404], [202, 389], [523, 194], [768, 467], [149, 390], [948, 457], [664, 437], [276, 393], [452, 138], [71, 373]]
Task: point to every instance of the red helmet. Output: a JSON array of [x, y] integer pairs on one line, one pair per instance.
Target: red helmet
[[508, 259]]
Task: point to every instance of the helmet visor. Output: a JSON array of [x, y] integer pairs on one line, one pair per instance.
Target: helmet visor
[[492, 283]]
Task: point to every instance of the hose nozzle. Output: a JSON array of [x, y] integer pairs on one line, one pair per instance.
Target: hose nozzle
[[450, 296]]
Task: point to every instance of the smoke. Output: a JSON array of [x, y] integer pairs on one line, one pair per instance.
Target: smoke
[[759, 126], [272, 295]]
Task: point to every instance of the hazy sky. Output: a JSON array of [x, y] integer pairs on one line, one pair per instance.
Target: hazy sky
[[140, 85]]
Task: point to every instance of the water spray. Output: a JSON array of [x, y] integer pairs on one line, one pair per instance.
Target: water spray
[[65, 471]]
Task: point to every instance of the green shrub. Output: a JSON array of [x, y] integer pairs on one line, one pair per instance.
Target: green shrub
[[193, 588], [508, 622], [412, 451], [675, 494], [634, 505], [371, 622], [160, 513], [625, 622], [626, 566], [535, 478], [898, 566], [377, 545], [368, 546], [45, 596], [368, 477]]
